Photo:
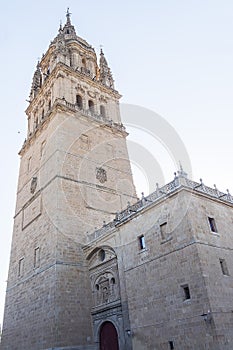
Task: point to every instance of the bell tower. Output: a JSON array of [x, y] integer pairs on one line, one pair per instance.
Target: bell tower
[[74, 175]]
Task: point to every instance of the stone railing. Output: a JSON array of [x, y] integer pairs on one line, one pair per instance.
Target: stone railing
[[160, 192], [74, 107], [213, 192], [88, 113], [106, 228], [147, 201]]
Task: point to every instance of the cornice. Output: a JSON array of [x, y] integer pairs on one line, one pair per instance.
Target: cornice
[[65, 106]]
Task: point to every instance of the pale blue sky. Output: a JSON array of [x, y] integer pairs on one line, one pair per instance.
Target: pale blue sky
[[174, 57]]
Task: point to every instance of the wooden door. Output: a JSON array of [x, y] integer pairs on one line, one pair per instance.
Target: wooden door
[[108, 337]]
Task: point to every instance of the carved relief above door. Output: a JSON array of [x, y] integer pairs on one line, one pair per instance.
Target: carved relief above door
[[104, 276]]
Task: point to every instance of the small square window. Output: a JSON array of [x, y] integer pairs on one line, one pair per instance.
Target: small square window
[[171, 344], [186, 292], [21, 267], [224, 267], [212, 224], [163, 230], [37, 257], [142, 244]]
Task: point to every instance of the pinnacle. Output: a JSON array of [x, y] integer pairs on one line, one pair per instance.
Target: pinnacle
[[68, 21]]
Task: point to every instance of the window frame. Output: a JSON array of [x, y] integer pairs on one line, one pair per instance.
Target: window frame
[[212, 224], [103, 111], [224, 267], [91, 106], [171, 344], [36, 257], [186, 292], [21, 267], [162, 233], [79, 101], [141, 242]]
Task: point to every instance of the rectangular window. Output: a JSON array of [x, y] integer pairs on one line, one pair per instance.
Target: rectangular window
[[186, 292], [163, 230], [21, 267], [224, 267], [37, 257], [171, 344], [212, 224], [142, 244]]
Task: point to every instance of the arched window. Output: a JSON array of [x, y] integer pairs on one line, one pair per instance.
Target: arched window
[[50, 105], [84, 64], [36, 122], [102, 255], [42, 114], [113, 281], [91, 106], [102, 111], [79, 101]]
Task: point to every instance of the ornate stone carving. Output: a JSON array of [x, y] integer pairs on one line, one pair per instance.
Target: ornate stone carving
[[103, 99], [105, 288], [101, 175], [91, 94], [104, 276], [33, 185], [80, 89]]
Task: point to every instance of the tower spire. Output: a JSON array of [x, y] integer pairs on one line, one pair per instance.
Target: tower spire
[[105, 72], [60, 27], [36, 81], [68, 13]]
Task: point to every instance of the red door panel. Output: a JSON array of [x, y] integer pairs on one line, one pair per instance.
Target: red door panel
[[108, 337]]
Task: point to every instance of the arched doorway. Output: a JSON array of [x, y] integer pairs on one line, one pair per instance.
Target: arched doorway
[[108, 337]]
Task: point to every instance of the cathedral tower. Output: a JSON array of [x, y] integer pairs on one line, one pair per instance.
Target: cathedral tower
[[74, 176]]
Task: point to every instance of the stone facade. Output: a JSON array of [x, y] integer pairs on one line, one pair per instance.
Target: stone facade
[[86, 253], [74, 175], [176, 281]]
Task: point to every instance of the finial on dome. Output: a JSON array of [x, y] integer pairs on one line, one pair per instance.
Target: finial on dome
[[68, 13], [101, 50]]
